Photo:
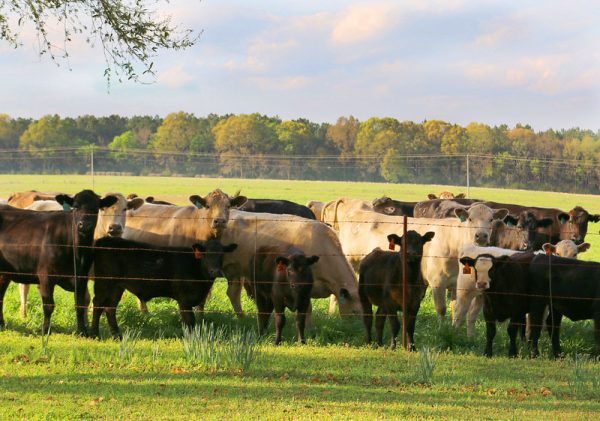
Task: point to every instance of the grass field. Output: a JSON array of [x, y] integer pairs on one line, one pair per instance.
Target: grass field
[[334, 376]]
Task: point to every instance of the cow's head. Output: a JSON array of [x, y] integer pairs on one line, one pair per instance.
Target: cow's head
[[111, 219], [566, 248], [477, 221], [384, 205], [481, 267], [210, 256], [414, 243], [85, 206], [574, 225], [216, 205], [297, 268], [526, 225]]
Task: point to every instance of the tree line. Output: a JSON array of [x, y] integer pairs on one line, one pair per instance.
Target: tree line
[[259, 146]]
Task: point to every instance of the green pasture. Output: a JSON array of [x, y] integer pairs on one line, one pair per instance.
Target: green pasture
[[334, 376]]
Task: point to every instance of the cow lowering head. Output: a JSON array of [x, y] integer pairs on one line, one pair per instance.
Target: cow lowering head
[[566, 248], [216, 205], [477, 221], [85, 206], [111, 219], [481, 267], [414, 243], [296, 268], [210, 255], [574, 225], [384, 205]]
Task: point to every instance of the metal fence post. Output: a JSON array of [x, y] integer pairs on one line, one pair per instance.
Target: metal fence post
[[468, 178], [404, 283], [92, 166]]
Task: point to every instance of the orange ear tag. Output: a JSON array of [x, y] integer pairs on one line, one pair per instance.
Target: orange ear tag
[[392, 245], [280, 267], [197, 254], [467, 269]]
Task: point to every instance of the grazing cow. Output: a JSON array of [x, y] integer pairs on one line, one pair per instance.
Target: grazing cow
[[569, 288], [278, 207], [23, 199], [316, 208], [445, 195], [389, 206], [283, 279], [506, 293], [566, 248], [111, 221], [469, 299], [51, 248], [150, 199], [185, 274], [361, 230], [380, 284], [333, 274]]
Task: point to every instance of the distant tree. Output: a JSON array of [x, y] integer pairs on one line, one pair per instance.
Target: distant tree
[[176, 133], [130, 33], [10, 131], [124, 142], [50, 132], [343, 134]]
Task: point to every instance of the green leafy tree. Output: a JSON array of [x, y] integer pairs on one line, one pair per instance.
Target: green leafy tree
[[130, 33], [176, 133], [50, 132], [343, 134], [10, 131]]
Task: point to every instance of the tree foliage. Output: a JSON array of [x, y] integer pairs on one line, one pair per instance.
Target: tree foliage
[[129, 32]]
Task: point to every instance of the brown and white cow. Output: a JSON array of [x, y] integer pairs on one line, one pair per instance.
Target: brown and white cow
[[361, 230], [23, 199]]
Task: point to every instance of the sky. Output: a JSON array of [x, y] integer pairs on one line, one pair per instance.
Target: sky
[[489, 61]]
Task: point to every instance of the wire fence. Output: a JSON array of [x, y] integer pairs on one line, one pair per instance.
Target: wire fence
[[7, 271]]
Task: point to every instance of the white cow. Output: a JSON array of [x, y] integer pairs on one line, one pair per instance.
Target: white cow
[[360, 230], [566, 248]]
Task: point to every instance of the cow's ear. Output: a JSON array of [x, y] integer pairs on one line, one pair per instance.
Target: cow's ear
[[396, 239], [108, 201], [510, 221], [461, 214], [150, 199], [230, 247], [135, 203], [238, 201], [563, 217], [460, 196], [583, 247], [501, 214], [131, 196], [466, 260], [282, 260], [594, 218], [543, 223], [549, 248], [65, 200], [198, 201], [431, 196], [312, 260], [428, 236]]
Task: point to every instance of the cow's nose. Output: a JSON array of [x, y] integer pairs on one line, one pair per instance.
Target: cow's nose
[[482, 238], [577, 239], [218, 222], [115, 230], [215, 273], [482, 285]]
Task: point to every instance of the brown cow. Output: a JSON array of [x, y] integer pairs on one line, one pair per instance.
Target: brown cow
[[23, 199]]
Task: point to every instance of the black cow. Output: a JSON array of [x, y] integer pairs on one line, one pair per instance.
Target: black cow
[[389, 206], [380, 284], [283, 278], [518, 233], [51, 248], [278, 207], [506, 292], [148, 271], [569, 287]]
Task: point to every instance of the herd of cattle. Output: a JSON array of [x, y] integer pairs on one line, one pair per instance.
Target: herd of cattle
[[515, 262]]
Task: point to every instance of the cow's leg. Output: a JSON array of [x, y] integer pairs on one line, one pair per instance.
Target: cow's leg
[[554, 320], [490, 331], [333, 303], [512, 330], [200, 307], [452, 297], [188, 319], [597, 330], [379, 324], [411, 323], [23, 293], [81, 304], [234, 292], [474, 310], [265, 307], [367, 309], [301, 314], [111, 310], [142, 306], [279, 322], [535, 324], [3, 287], [439, 301], [47, 294], [394, 325]]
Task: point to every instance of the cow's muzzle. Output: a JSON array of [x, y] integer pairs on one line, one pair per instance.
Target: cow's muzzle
[[115, 230]]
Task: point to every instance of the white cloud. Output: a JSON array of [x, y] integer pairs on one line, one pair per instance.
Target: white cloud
[[175, 77], [363, 22]]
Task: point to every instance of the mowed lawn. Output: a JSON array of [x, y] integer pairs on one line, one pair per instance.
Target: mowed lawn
[[334, 376]]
